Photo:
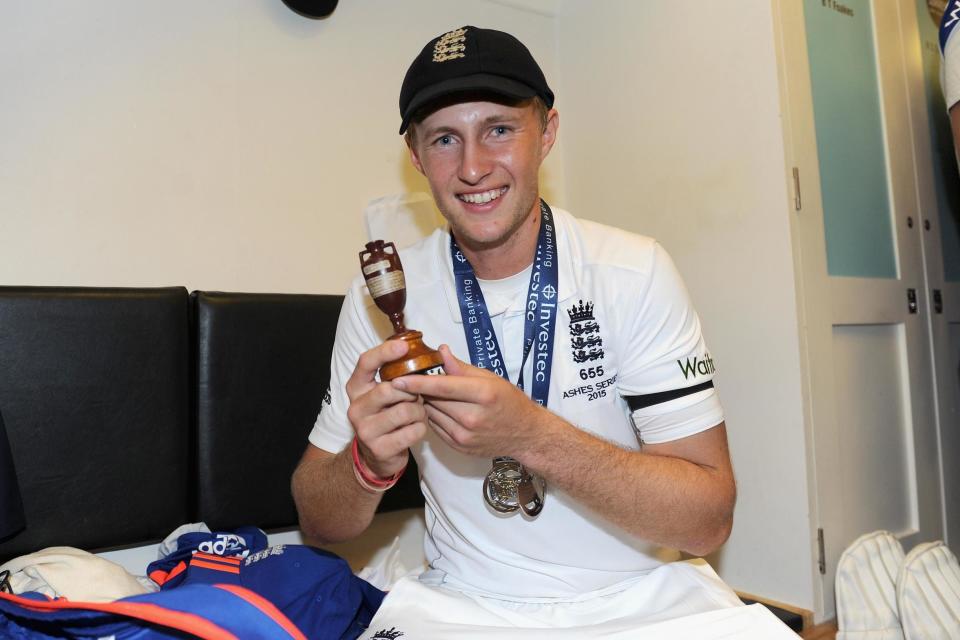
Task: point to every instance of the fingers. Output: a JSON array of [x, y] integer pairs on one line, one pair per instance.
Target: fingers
[[384, 455], [445, 426], [453, 366], [452, 388], [466, 414], [372, 424], [385, 436], [442, 426], [376, 398], [369, 363], [386, 419]]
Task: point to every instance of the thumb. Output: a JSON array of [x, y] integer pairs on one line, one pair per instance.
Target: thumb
[[453, 366]]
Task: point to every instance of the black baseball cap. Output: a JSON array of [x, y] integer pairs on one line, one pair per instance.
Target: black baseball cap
[[470, 59]]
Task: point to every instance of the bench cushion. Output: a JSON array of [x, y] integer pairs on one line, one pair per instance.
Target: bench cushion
[[94, 391]]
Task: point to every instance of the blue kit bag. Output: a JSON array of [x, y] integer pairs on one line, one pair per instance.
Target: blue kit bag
[[210, 612]]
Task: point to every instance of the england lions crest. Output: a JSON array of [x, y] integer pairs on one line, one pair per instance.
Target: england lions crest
[[586, 345]]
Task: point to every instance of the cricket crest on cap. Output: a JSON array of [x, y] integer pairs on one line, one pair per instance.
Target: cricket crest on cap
[[482, 61], [451, 45]]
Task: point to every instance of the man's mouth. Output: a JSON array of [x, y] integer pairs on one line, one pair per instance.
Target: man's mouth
[[482, 197]]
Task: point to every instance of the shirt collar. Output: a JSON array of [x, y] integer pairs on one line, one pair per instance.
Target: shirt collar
[[568, 253]]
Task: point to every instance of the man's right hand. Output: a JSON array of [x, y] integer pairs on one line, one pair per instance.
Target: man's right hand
[[387, 421]]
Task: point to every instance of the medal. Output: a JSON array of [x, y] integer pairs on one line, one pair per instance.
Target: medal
[[501, 484], [509, 487], [531, 491]]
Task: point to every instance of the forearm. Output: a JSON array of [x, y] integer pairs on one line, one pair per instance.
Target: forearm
[[679, 494], [331, 504], [660, 498]]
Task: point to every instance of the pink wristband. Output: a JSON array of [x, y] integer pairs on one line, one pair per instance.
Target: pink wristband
[[363, 483], [366, 478]]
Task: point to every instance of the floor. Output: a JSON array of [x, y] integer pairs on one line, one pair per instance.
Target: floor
[[823, 631]]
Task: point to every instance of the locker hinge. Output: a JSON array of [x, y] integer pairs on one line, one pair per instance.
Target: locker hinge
[[796, 188], [822, 560]]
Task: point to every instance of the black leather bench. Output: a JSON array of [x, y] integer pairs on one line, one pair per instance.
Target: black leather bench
[[132, 411]]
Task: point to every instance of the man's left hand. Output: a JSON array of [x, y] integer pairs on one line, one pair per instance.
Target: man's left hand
[[477, 412]]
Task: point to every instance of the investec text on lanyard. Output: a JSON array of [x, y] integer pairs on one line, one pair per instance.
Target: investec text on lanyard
[[509, 486]]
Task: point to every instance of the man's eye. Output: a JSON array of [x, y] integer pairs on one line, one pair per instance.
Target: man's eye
[[444, 140], [500, 131]]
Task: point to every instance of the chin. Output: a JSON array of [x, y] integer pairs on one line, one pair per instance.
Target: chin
[[478, 241]]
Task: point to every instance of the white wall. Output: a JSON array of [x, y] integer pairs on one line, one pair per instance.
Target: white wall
[[670, 125], [222, 144]]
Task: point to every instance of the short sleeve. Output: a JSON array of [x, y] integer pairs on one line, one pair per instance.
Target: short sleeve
[[950, 50], [332, 431], [666, 373]]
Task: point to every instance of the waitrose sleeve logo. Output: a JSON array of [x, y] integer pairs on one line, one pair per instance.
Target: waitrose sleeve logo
[[696, 366]]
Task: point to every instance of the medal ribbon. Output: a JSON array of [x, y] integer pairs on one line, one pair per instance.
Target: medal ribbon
[[540, 315]]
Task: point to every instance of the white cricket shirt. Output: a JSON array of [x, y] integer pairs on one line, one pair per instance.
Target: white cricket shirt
[[625, 330]]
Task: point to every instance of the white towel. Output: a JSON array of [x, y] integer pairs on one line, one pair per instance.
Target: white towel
[[403, 219], [74, 574], [675, 601]]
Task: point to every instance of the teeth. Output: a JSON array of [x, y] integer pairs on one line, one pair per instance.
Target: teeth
[[482, 198]]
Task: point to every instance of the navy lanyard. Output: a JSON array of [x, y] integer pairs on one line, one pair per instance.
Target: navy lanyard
[[540, 314]]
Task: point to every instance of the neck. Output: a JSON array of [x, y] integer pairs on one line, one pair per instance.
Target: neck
[[508, 258]]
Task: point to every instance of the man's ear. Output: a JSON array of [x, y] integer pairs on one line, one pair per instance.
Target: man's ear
[[411, 148], [549, 135]]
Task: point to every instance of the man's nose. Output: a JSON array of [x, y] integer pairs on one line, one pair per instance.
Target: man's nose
[[475, 163]]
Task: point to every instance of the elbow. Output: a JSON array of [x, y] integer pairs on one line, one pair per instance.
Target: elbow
[[316, 529], [709, 538], [323, 518], [317, 536], [712, 538], [306, 524], [319, 531], [715, 532], [309, 517]]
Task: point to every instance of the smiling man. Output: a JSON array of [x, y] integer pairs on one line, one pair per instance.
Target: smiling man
[[572, 447]]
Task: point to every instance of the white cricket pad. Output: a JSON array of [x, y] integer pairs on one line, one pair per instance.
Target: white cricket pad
[[866, 588], [928, 593]]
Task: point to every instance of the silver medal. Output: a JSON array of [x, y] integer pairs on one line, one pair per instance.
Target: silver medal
[[509, 487], [530, 493]]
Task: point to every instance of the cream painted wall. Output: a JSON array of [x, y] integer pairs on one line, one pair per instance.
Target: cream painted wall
[[671, 128], [223, 144]]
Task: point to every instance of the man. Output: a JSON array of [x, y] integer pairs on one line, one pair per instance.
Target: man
[[550, 505]]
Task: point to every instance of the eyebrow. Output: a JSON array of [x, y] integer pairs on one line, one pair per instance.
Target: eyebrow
[[499, 117]]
